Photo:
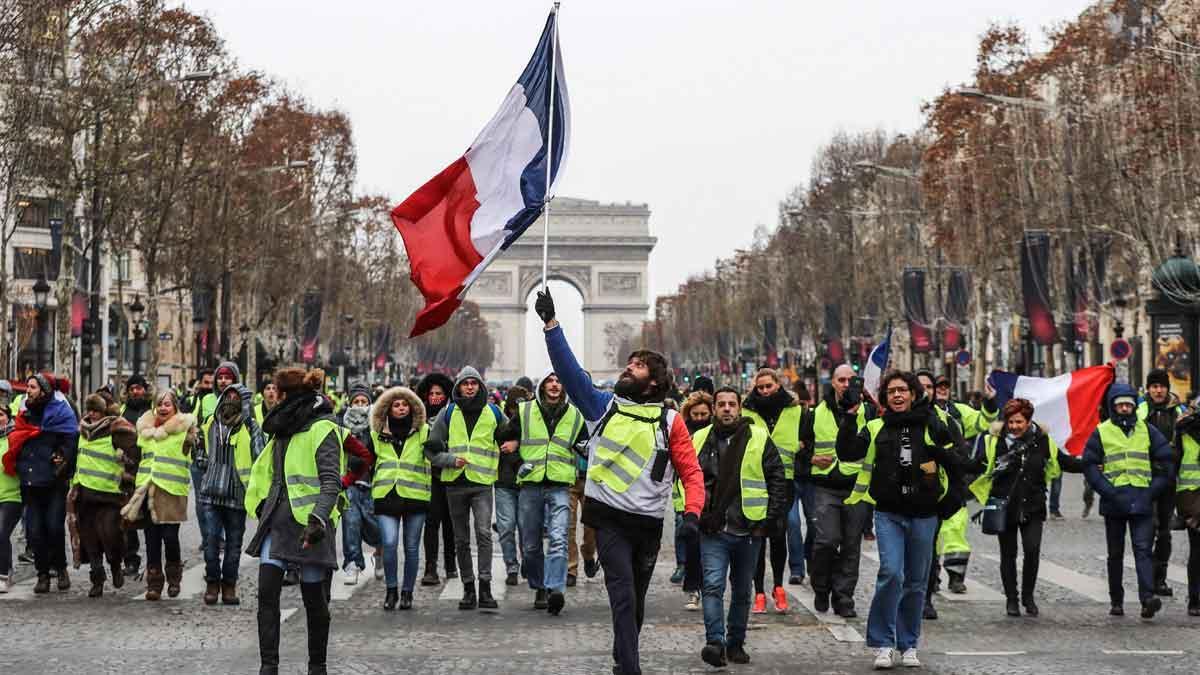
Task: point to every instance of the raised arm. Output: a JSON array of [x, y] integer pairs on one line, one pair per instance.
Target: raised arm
[[591, 401]]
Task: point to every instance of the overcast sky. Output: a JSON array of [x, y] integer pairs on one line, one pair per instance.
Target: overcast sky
[[707, 111]]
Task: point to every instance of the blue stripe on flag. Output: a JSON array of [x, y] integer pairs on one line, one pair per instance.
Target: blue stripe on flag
[[1005, 384]]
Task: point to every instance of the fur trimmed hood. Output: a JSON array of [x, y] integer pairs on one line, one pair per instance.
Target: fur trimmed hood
[[178, 422], [379, 411]]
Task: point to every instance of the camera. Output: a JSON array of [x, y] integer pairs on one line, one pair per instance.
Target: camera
[[853, 394]]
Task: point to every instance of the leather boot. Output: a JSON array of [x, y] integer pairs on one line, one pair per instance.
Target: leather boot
[[97, 579], [390, 599], [118, 574], [64, 580], [406, 599], [42, 585], [174, 576], [468, 599], [229, 593], [316, 607], [486, 601], [431, 576], [270, 585], [154, 583], [211, 590]]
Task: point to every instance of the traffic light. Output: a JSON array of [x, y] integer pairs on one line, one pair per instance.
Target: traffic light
[[87, 335], [855, 356]]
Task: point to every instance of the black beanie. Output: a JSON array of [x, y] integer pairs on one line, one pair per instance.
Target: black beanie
[[1158, 376]]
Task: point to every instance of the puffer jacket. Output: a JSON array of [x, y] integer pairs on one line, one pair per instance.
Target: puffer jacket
[[1128, 500]]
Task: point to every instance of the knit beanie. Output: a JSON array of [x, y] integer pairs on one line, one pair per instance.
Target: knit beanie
[[1158, 376]]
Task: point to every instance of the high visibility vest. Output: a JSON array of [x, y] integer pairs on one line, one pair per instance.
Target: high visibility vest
[[243, 458], [982, 486], [825, 432], [208, 405], [10, 486], [786, 434], [552, 456], [1126, 458], [678, 500], [409, 474], [14, 406], [164, 464], [479, 448], [862, 486], [970, 421], [753, 481], [1189, 466], [301, 479], [625, 447], [97, 467]]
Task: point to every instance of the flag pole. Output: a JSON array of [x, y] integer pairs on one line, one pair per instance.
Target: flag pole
[[549, 152]]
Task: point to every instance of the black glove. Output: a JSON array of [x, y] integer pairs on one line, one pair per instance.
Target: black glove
[[313, 534], [690, 527], [544, 306]]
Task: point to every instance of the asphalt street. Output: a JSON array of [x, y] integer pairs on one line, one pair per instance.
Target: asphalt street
[[120, 633]]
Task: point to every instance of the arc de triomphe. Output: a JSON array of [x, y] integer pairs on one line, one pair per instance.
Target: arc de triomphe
[[603, 251]]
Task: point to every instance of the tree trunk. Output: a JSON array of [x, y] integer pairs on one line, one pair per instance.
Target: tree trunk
[[151, 369]]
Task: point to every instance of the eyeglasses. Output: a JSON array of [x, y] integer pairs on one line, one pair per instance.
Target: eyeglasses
[[897, 390]]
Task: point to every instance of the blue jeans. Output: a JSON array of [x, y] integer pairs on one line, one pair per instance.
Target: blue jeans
[[726, 555], [218, 522], [359, 524], [680, 543], [905, 552], [800, 544], [309, 573], [389, 530], [1055, 494], [506, 526], [198, 475], [1141, 536], [545, 508]]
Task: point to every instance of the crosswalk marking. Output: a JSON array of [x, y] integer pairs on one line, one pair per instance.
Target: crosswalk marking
[[192, 584], [836, 625], [975, 590], [340, 590], [1081, 584]]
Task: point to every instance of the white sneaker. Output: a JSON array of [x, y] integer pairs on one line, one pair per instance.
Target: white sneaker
[[6, 583], [350, 572], [885, 658], [909, 660], [378, 562], [693, 602]]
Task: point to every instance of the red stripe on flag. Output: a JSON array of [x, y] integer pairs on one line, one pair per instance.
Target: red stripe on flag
[[435, 222], [1085, 394]]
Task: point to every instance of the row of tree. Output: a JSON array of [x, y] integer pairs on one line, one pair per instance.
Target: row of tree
[[1094, 142], [215, 177]]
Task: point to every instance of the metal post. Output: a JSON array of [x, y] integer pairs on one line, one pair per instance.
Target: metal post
[[96, 376]]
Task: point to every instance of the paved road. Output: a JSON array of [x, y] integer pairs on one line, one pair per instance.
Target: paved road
[[67, 632]]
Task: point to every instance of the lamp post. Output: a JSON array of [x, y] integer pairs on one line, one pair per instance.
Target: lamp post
[[41, 293], [136, 311], [200, 299]]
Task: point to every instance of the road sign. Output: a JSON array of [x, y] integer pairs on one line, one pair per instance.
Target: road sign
[[963, 358], [1120, 349]]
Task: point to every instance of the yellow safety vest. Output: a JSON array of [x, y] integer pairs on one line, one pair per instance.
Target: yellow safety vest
[[301, 479], [678, 501], [1189, 466], [164, 464], [625, 447], [97, 467], [479, 448], [10, 486], [825, 432], [982, 486], [753, 481], [1126, 458], [786, 434], [243, 457], [862, 486], [409, 474], [552, 457]]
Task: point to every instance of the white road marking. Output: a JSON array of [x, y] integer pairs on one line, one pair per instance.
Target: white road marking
[[339, 590], [454, 588], [975, 590], [1175, 573], [1081, 584], [986, 653], [192, 585], [1143, 652], [836, 625]]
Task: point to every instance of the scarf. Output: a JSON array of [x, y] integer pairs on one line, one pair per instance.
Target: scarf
[[769, 406], [53, 414], [694, 425], [293, 412], [357, 418], [399, 428]]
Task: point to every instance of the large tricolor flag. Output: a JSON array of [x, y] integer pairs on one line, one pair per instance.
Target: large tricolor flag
[[458, 222], [877, 364], [1067, 407]]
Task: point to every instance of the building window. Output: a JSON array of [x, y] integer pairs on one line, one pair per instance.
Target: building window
[[28, 263], [36, 212], [121, 267]]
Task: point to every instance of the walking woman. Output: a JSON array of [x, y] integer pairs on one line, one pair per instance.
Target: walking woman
[[402, 487], [166, 437], [907, 464], [293, 491], [359, 523], [1019, 465], [98, 489]]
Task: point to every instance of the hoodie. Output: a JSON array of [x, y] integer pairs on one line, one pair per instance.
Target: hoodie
[[426, 384], [437, 447], [214, 453], [1127, 500]]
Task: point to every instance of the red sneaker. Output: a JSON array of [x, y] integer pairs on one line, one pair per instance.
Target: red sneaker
[[760, 604], [781, 604]]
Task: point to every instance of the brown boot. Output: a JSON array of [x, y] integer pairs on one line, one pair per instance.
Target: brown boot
[[229, 593], [210, 592], [154, 583], [97, 578], [174, 576], [42, 585], [64, 580]]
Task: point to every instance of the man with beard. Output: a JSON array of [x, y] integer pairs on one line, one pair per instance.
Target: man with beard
[[434, 389], [637, 447], [1162, 410], [837, 544], [137, 403], [746, 489], [462, 443]]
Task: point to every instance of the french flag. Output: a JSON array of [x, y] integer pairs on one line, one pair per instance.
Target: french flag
[[471, 212], [1066, 407], [877, 364]]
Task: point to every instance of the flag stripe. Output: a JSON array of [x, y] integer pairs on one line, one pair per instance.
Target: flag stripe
[[1067, 407]]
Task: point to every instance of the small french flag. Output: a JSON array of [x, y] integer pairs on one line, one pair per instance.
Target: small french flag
[[1066, 407], [877, 364]]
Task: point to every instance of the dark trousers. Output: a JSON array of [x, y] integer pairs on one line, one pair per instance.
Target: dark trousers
[[779, 553], [10, 515], [934, 583], [1031, 544], [159, 537], [46, 525], [100, 535], [1056, 495], [1164, 511], [439, 516], [1193, 565], [837, 546], [132, 546], [628, 559], [1141, 534]]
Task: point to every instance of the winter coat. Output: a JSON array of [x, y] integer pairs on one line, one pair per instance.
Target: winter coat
[[1020, 472], [149, 504], [393, 504], [1187, 502], [40, 433], [722, 483], [1128, 500], [124, 439]]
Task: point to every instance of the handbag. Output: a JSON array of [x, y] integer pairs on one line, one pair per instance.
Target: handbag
[[995, 515]]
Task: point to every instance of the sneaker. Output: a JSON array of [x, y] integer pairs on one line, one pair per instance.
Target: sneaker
[[796, 580], [350, 572], [590, 567], [737, 654], [760, 603], [909, 659], [885, 658], [713, 654], [693, 602], [780, 598], [677, 576], [377, 561], [6, 583]]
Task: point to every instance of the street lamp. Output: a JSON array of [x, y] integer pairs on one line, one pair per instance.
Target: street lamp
[[136, 311], [41, 294]]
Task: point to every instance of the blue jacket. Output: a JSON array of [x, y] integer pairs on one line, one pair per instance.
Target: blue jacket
[[1128, 500], [59, 435]]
